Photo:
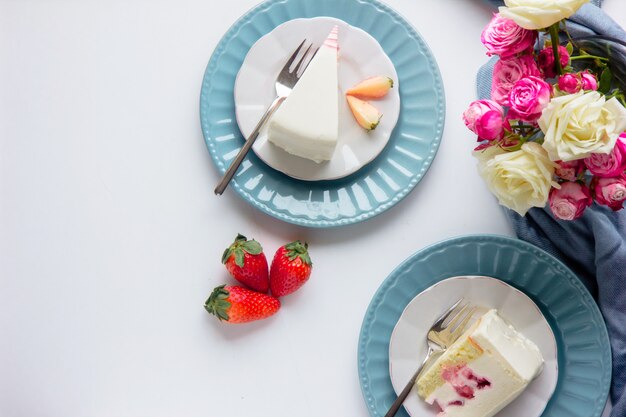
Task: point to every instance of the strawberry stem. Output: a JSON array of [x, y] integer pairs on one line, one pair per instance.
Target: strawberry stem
[[217, 303], [240, 245], [297, 249]]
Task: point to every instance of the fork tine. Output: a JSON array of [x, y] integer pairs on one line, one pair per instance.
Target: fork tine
[[447, 314], [292, 57], [456, 317], [315, 52], [296, 70], [308, 61], [460, 328]]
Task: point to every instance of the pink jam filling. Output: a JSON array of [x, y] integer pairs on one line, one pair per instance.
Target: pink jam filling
[[464, 381]]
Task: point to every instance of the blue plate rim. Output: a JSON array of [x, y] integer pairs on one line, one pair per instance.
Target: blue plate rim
[[440, 107], [431, 248]]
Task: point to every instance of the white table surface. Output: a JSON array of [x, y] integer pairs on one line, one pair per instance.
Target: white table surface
[[111, 237]]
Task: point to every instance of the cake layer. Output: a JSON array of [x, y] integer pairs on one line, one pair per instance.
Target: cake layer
[[483, 371], [480, 396], [501, 339], [458, 354], [306, 124]]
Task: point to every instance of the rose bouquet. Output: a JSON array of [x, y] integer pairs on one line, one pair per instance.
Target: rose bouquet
[[553, 131]]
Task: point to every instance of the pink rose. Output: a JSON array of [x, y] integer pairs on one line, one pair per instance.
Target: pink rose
[[505, 38], [527, 99], [546, 60], [609, 164], [569, 170], [570, 83], [507, 72], [485, 118], [570, 201], [589, 81], [611, 192]]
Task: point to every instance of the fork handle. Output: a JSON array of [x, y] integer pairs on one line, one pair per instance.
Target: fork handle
[[230, 172], [409, 386]]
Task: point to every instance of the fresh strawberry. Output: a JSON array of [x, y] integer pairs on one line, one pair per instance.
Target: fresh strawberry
[[246, 262], [374, 87], [235, 304], [291, 268], [365, 114]]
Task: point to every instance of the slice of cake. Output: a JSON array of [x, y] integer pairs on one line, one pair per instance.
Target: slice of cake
[[483, 371], [306, 124]]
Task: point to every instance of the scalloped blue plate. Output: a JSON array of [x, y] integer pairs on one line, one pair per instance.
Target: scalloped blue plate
[[374, 188], [584, 357]]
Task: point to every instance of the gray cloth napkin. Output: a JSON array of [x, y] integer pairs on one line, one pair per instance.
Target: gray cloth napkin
[[593, 246]]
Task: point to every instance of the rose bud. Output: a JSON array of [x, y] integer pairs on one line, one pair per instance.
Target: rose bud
[[508, 71], [609, 164], [505, 38], [485, 118], [569, 170], [570, 83], [546, 60], [589, 81], [527, 99], [570, 201], [611, 192]]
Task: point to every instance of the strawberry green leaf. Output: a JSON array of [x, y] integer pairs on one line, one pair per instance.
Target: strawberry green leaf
[[306, 258], [226, 254], [252, 247], [239, 257], [298, 250], [218, 304]]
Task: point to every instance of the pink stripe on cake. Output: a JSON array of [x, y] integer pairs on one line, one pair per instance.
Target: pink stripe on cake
[[332, 39]]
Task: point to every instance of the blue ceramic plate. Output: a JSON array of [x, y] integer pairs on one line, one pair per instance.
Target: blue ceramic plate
[[584, 357], [369, 191]]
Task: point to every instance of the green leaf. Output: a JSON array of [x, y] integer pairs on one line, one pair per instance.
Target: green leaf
[[570, 48], [298, 250], [227, 252], [306, 258], [605, 81], [239, 257], [252, 247], [218, 303]]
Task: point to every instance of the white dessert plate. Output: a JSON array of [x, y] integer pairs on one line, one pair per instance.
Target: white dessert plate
[[360, 57], [407, 346]]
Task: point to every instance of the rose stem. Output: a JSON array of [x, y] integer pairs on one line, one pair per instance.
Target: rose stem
[[554, 36]]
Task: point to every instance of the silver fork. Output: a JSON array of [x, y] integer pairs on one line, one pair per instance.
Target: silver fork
[[285, 82], [445, 331]]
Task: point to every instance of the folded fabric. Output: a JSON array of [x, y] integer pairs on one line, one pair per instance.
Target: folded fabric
[[593, 246]]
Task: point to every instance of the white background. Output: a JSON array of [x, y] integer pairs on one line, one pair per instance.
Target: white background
[[111, 237]]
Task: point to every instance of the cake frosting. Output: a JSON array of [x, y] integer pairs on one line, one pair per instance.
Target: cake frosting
[[306, 124], [483, 371]]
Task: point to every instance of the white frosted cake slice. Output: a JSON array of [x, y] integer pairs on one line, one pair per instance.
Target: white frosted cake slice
[[483, 371], [306, 123]]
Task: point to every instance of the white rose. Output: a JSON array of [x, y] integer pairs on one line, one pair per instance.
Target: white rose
[[577, 125], [539, 14], [521, 179]]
